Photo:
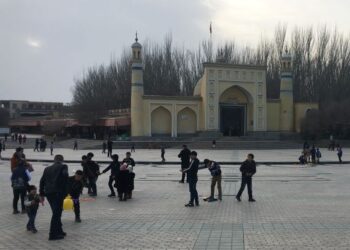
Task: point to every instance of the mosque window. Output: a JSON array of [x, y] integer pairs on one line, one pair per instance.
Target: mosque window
[[237, 75], [134, 54], [243, 75], [220, 74], [228, 74], [138, 55], [252, 75]]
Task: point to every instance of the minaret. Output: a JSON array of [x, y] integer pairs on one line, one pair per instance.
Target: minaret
[[136, 108], [286, 94]]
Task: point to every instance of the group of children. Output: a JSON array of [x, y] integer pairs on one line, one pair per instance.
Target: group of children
[[313, 154], [121, 175]]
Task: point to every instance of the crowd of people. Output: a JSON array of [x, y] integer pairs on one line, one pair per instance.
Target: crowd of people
[[21, 139], [56, 184]]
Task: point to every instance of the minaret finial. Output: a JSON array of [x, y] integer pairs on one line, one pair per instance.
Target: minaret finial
[[136, 39]]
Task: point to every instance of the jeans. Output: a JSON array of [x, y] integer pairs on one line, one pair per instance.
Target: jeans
[[92, 184], [56, 203], [16, 194], [214, 180], [193, 191], [110, 184], [31, 215], [246, 180]]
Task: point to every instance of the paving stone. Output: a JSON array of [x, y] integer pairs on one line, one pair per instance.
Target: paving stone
[[296, 208]]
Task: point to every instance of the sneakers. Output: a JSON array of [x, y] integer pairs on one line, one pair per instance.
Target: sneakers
[[238, 198], [252, 200], [189, 205], [111, 195], [77, 219], [181, 182], [34, 231], [15, 212]]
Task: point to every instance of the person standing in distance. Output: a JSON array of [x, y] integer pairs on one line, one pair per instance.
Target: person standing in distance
[[192, 179], [109, 147], [248, 169], [53, 185], [162, 153], [185, 161]]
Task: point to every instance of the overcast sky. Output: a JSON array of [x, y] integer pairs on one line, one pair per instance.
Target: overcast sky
[[45, 44]]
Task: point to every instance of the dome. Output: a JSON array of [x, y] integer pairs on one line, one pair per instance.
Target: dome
[[136, 44], [286, 54]]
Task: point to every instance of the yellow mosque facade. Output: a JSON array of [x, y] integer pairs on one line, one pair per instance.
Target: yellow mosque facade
[[228, 100]]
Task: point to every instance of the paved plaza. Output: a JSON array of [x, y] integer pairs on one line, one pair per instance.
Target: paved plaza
[[297, 208]]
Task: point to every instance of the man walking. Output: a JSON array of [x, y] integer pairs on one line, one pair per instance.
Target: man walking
[[185, 161], [192, 179], [248, 169], [53, 185]]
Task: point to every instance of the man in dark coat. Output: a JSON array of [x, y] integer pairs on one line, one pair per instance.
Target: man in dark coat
[[53, 185], [248, 169], [192, 179], [114, 167], [185, 161]]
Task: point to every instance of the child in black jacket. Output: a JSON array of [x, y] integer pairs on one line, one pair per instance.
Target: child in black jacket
[[32, 204], [114, 167], [75, 186]]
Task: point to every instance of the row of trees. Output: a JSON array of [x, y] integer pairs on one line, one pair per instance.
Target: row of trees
[[321, 65]]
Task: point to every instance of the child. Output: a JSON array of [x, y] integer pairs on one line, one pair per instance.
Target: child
[[215, 171], [114, 167], [339, 153], [130, 166], [75, 187], [318, 155], [122, 182], [32, 204]]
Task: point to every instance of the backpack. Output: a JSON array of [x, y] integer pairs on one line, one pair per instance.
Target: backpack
[[318, 154], [18, 183], [216, 171]]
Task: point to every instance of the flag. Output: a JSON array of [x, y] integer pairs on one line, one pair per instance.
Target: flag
[[210, 29]]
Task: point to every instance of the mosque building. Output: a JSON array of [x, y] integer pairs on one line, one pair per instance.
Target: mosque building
[[228, 100]]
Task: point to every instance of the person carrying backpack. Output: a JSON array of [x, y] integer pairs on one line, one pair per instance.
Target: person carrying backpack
[[215, 171], [19, 182], [318, 155]]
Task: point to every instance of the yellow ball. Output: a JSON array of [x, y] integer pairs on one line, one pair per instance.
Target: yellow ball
[[68, 203]]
